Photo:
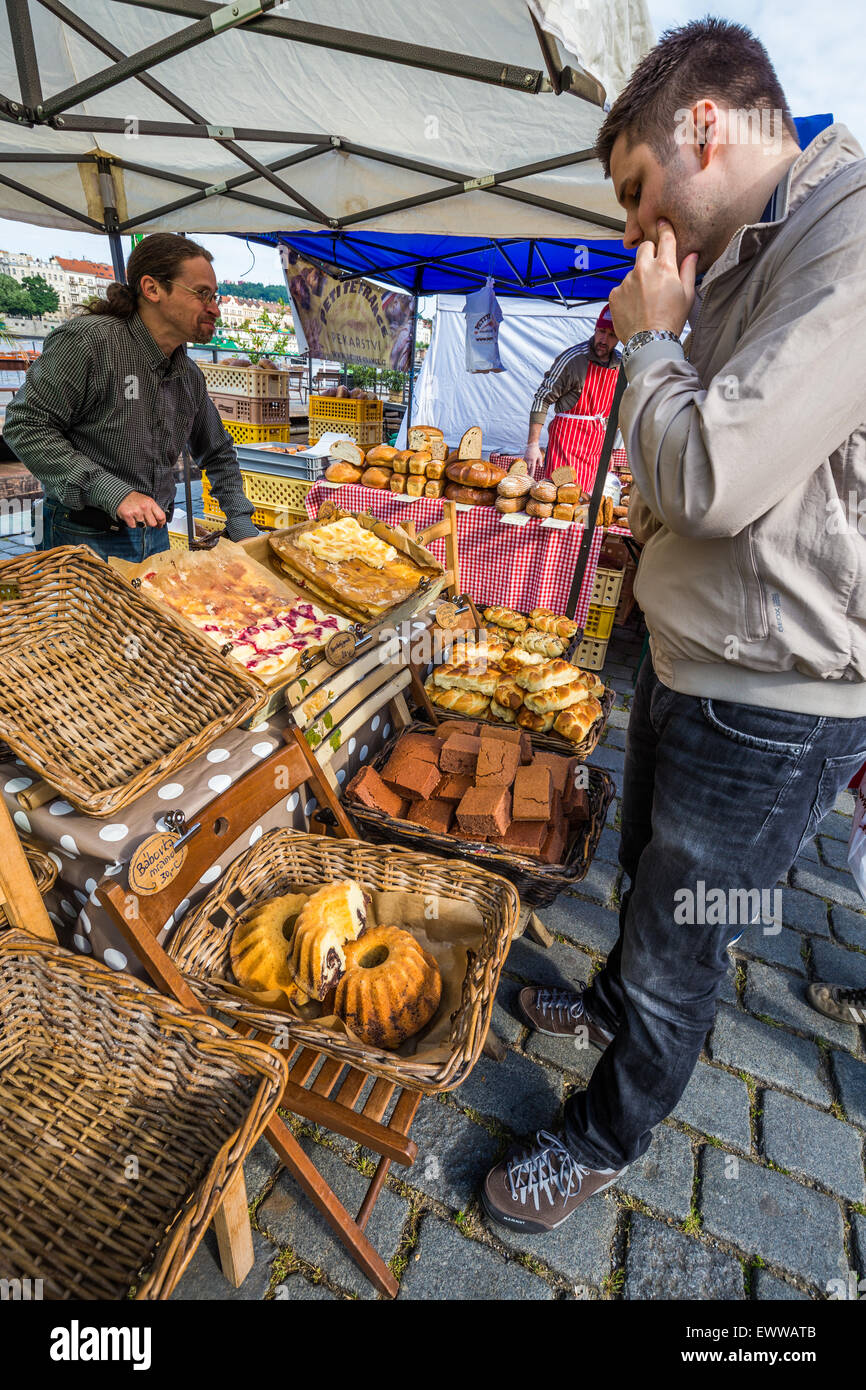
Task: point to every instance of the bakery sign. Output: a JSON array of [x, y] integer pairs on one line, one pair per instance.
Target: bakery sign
[[348, 320]]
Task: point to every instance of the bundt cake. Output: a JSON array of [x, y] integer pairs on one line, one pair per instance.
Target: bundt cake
[[330, 918], [391, 987], [261, 944]]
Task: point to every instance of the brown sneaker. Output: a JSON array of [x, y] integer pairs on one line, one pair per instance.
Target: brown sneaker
[[835, 1001], [560, 1013], [537, 1187]]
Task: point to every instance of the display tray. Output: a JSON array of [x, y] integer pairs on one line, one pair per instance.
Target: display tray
[[447, 895], [550, 742], [104, 692], [538, 885]]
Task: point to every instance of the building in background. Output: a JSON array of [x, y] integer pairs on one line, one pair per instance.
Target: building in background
[[74, 281]]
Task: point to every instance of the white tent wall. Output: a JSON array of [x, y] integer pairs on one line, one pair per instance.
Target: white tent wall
[[532, 333]]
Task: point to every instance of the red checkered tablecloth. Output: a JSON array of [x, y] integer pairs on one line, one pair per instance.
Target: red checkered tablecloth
[[516, 566]]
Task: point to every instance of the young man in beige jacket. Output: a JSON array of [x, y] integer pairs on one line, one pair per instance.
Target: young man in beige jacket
[[748, 448]]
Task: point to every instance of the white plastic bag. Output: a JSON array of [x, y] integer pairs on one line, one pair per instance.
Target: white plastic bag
[[857, 838], [483, 317]]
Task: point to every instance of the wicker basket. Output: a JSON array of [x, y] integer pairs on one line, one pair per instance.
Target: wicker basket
[[538, 884], [98, 1071], [551, 742], [43, 869], [284, 860], [104, 693]]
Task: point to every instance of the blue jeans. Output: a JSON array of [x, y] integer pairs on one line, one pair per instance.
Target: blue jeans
[[715, 796], [133, 543]]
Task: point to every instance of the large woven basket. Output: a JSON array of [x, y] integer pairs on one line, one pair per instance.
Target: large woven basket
[[538, 884], [104, 693], [43, 869], [124, 1120], [284, 861]]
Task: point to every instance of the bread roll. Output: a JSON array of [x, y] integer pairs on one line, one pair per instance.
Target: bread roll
[[540, 509], [508, 694], [548, 675], [563, 511], [513, 485], [534, 641], [434, 487], [415, 486], [475, 474], [418, 464], [569, 492], [397, 483], [508, 504], [401, 461], [458, 701], [497, 711], [517, 660], [383, 454], [436, 469], [376, 477], [470, 444], [543, 491], [545, 620], [472, 496], [339, 472], [576, 722], [559, 697], [348, 451], [507, 618], [536, 723]]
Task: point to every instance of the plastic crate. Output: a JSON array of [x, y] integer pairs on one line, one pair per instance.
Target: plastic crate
[[599, 622], [257, 434], [252, 410], [245, 381], [607, 587], [279, 501], [178, 540], [365, 435], [264, 458], [339, 413], [590, 654]]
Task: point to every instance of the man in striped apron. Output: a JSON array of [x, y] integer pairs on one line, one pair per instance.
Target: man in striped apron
[[580, 385]]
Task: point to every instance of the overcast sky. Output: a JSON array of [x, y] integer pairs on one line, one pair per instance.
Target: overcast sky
[[817, 51]]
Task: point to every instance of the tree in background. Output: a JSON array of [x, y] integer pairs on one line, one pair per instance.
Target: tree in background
[[15, 299], [45, 300], [253, 289]]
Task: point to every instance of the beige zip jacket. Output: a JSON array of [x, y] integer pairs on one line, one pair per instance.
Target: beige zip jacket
[[749, 457]]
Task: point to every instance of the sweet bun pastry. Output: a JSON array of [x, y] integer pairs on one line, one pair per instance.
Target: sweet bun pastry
[[549, 674], [467, 702], [498, 711], [535, 723], [575, 723], [340, 472], [534, 641], [508, 694], [511, 665], [480, 676], [332, 917], [391, 987], [466, 647], [507, 618], [545, 620], [500, 634], [260, 945], [558, 697]]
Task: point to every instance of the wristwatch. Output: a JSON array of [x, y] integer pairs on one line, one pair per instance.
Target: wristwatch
[[647, 335]]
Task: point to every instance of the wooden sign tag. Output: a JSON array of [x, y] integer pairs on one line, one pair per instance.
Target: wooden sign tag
[[155, 863], [340, 649], [446, 614]]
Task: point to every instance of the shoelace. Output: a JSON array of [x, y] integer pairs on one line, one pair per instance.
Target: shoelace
[[853, 996], [562, 1001], [545, 1169]]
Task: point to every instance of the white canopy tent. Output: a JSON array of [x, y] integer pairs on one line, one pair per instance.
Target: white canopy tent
[[396, 115]]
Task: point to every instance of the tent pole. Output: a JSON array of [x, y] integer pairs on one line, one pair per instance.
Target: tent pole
[[111, 219], [412, 360], [597, 491]]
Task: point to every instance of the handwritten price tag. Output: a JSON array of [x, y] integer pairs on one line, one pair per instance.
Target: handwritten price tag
[[155, 864]]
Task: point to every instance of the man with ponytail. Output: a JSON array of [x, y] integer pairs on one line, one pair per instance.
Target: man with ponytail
[[105, 411]]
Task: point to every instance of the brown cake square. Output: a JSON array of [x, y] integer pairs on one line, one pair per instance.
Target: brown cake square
[[484, 812], [456, 726], [368, 788], [423, 746], [410, 776], [498, 761], [533, 794], [525, 837], [453, 787], [510, 734], [432, 815], [460, 754], [554, 848], [575, 802], [560, 768]]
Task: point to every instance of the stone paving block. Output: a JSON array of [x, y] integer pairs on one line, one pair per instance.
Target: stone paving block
[[288, 1217], [613, 759], [783, 997], [845, 803], [836, 825], [518, 1093], [615, 738], [804, 911], [454, 1154], [837, 966], [771, 1054], [728, 988], [850, 1077], [849, 926], [506, 1022], [814, 1144], [558, 965], [585, 923], [835, 852], [779, 948], [665, 1264], [768, 1214], [484, 1275], [714, 1102], [766, 1286], [618, 719], [835, 884], [662, 1177], [296, 1289], [608, 846], [579, 1062], [203, 1278], [261, 1165], [858, 1224], [579, 1249], [809, 853], [599, 882]]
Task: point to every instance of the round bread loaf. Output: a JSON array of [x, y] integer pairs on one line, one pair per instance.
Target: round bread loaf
[[514, 486], [541, 509], [509, 504], [381, 454], [474, 473], [339, 472], [376, 477], [472, 496], [543, 491]]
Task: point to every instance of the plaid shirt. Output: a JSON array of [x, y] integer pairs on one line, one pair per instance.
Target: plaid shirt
[[103, 412], [562, 383]]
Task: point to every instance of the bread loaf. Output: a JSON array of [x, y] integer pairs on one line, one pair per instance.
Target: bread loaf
[[605, 512], [563, 511], [539, 509], [576, 722], [509, 504], [418, 464], [470, 444], [434, 487], [381, 454], [339, 472], [421, 436], [569, 492], [401, 461], [349, 451], [397, 483], [376, 477], [506, 617], [564, 475], [543, 491], [472, 496], [415, 486], [475, 474], [436, 469], [549, 674], [513, 485]]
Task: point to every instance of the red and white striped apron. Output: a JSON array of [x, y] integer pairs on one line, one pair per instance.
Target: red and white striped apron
[[576, 440]]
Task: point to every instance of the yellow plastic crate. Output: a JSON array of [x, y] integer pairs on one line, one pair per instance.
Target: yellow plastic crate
[[342, 412], [246, 381], [607, 588], [599, 622], [365, 435], [178, 540], [279, 501], [242, 433], [590, 654]]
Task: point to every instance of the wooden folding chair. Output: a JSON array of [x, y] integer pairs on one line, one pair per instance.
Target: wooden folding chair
[[446, 530], [325, 1096]]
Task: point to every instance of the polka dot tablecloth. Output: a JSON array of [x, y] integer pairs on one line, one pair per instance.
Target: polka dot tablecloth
[[86, 849]]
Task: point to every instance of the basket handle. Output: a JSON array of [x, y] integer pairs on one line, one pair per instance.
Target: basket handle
[[21, 898]]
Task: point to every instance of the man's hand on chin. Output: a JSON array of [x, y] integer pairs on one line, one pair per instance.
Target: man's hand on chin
[[655, 294]]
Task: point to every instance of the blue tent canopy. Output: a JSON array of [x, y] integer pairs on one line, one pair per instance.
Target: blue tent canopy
[[549, 268]]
